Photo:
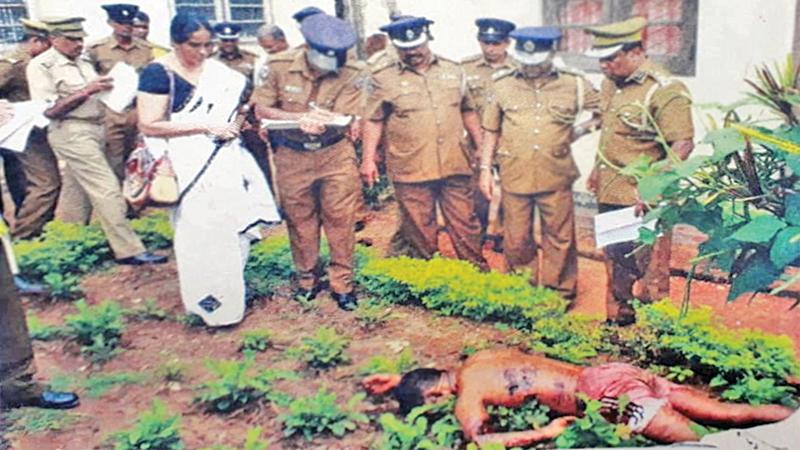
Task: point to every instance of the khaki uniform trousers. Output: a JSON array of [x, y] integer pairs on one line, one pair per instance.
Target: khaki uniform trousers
[[559, 269], [320, 189], [79, 143], [417, 235], [648, 265], [16, 353], [121, 134], [44, 183]]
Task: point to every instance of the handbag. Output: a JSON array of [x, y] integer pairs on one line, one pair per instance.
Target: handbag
[[150, 181]]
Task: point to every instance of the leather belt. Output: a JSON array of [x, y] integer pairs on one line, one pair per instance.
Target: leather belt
[[309, 146]]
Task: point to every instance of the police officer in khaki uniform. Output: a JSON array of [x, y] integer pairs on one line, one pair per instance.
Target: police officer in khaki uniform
[[38, 177], [141, 30], [531, 112], [422, 102], [120, 128], [634, 90], [316, 165], [493, 39], [228, 51], [75, 132]]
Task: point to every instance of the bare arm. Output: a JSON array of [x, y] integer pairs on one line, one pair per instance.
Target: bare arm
[[65, 105], [490, 139], [472, 123], [370, 138]]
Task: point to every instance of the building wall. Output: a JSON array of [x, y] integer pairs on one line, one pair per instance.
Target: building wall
[[733, 36]]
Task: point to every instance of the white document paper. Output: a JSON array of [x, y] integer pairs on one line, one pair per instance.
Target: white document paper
[[14, 134], [621, 225], [126, 82], [338, 121]]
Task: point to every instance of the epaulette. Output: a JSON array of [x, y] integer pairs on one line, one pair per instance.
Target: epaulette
[[661, 78], [502, 73], [472, 59]]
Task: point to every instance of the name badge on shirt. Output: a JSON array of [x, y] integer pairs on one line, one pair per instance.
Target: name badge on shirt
[[293, 89]]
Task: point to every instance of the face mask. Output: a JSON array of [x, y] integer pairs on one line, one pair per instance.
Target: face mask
[[323, 62]]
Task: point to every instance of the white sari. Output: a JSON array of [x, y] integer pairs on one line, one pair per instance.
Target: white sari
[[216, 219]]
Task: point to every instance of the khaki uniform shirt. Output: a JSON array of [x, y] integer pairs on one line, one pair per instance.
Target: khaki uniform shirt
[[242, 61], [628, 133], [535, 118], [291, 86], [479, 78], [422, 115], [105, 53], [52, 76], [13, 82]]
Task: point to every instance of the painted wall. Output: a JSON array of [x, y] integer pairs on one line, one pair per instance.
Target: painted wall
[[733, 35]]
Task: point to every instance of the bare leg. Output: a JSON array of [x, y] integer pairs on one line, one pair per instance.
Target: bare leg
[[669, 425], [702, 408]]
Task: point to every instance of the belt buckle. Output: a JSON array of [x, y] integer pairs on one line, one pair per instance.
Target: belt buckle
[[316, 145]]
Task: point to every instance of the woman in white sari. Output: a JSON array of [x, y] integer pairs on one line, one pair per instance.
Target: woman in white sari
[[188, 104]]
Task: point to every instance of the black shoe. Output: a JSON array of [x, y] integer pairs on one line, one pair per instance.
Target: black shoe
[[347, 301], [28, 288], [54, 400], [143, 259]]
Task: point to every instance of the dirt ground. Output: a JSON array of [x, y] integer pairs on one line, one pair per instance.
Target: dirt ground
[[435, 341]]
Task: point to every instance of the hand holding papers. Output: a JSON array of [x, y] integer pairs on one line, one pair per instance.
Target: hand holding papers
[[315, 117], [126, 82], [621, 225], [17, 120]]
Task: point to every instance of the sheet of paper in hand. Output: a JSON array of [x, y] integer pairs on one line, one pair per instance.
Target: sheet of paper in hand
[[14, 134], [621, 225], [126, 82]]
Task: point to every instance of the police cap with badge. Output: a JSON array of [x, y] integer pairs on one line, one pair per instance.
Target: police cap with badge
[[69, 27], [408, 32], [34, 28], [305, 13], [328, 40], [493, 31], [122, 13], [227, 31], [534, 44], [609, 39]]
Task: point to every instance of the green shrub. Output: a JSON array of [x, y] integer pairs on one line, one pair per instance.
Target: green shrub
[[154, 229], [372, 314], [147, 310], [593, 430], [97, 329], [155, 429], [531, 415], [432, 426], [41, 332], [172, 371], [571, 338], [325, 349], [269, 267], [404, 362], [256, 340], [756, 391], [238, 384], [320, 413]]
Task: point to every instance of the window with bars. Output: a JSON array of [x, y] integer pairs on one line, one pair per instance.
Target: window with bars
[[670, 37], [10, 12], [247, 13]]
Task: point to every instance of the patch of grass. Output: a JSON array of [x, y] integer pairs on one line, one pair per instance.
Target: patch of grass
[[147, 310], [98, 329], [41, 332], [258, 340], [325, 349], [372, 313], [172, 371], [154, 429], [35, 420], [320, 413], [99, 384], [191, 321]]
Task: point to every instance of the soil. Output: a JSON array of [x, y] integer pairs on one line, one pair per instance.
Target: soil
[[435, 341]]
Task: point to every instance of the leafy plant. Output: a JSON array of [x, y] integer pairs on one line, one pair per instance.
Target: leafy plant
[[154, 229], [404, 362], [97, 329], [269, 267], [325, 349], [99, 384], [172, 371], [147, 310], [372, 314], [41, 332], [238, 384], [34, 421], [531, 415], [256, 340], [191, 320], [320, 413], [593, 430], [155, 429], [757, 391], [432, 426]]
